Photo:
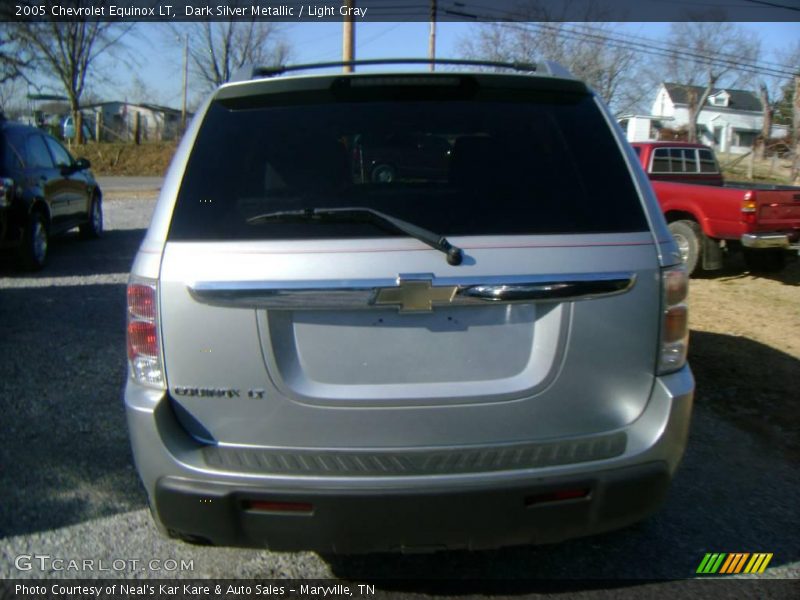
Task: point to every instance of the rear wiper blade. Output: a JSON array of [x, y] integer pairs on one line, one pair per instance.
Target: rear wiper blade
[[362, 214]]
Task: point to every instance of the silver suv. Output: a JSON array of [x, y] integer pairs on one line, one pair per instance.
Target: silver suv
[[487, 351]]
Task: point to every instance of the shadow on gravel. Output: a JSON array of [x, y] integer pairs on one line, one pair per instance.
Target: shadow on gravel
[[750, 384], [735, 268], [71, 256], [737, 490], [64, 450]]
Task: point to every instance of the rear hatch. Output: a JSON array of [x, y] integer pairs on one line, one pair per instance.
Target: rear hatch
[[301, 331]]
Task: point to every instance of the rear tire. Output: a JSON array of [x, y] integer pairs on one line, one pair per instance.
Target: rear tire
[[93, 228], [769, 260], [383, 173], [688, 236], [32, 254]]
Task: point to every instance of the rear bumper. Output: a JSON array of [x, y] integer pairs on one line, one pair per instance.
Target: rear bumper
[[466, 509], [770, 240], [350, 521]]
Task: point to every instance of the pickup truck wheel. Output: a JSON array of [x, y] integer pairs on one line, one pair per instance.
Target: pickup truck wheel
[[687, 235], [32, 254], [93, 228], [770, 260]]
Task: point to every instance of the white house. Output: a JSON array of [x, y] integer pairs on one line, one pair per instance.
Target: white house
[[642, 128], [730, 120], [155, 122]]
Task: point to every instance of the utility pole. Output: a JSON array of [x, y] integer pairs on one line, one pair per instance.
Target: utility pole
[[185, 80], [348, 36], [432, 37]]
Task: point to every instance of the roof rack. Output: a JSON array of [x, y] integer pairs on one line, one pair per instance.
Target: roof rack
[[252, 72]]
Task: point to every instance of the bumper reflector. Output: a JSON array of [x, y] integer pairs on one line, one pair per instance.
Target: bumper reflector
[[557, 496], [278, 507]]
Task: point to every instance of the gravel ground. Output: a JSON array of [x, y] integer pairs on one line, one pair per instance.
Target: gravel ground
[[69, 489]]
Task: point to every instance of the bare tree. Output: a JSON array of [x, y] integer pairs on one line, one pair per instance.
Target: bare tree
[[784, 89], [766, 125], [796, 128], [141, 92], [68, 52], [613, 70], [705, 55], [12, 96], [217, 50], [15, 60]]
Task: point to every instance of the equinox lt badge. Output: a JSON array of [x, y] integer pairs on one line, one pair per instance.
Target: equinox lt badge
[[182, 390]]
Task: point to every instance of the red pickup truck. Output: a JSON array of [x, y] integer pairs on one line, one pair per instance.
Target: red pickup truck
[[709, 217]]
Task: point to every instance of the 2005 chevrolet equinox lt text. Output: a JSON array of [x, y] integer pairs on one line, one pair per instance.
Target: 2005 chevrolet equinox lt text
[[474, 340]]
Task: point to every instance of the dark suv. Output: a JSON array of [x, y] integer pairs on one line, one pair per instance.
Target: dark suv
[[43, 191], [387, 157]]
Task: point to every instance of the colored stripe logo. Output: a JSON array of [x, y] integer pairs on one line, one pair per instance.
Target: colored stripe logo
[[722, 563]]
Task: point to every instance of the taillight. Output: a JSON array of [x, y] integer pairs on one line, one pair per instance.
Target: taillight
[[675, 320], [6, 191], [749, 207], [144, 350]]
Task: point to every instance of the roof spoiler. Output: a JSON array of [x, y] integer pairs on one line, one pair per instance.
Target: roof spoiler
[[248, 72]]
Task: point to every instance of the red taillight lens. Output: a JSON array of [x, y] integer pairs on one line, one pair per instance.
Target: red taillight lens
[[142, 301], [676, 286], [144, 356], [142, 339], [749, 208], [675, 320], [676, 324]]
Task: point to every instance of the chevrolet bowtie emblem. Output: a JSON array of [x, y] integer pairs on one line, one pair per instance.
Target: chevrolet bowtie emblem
[[415, 296]]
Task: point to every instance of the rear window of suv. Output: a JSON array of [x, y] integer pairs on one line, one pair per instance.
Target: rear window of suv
[[493, 163]]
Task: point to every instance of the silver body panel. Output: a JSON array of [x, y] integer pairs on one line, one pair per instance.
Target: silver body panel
[[508, 361]]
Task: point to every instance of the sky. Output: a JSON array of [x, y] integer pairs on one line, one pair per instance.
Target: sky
[[159, 55], [161, 58]]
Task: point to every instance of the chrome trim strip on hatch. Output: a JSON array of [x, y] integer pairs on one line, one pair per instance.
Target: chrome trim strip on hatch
[[410, 293]]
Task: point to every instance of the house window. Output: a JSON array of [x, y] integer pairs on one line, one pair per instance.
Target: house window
[[721, 100], [744, 138]]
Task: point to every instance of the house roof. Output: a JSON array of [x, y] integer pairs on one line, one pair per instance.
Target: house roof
[[54, 108], [147, 105], [739, 99]]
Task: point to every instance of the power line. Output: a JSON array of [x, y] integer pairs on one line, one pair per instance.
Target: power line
[[655, 42], [670, 53], [646, 46], [773, 5]]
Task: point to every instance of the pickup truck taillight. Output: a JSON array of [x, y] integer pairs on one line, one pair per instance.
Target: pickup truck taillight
[[675, 320], [144, 349], [749, 208], [6, 191]]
